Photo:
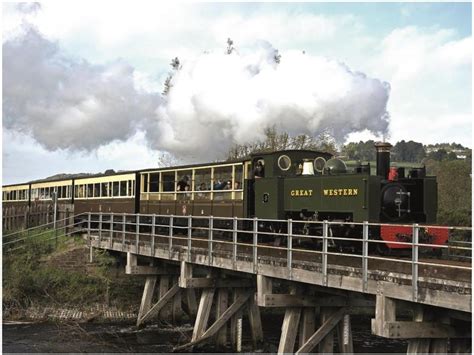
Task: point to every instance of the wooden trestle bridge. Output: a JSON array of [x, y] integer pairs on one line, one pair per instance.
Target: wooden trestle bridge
[[240, 265]]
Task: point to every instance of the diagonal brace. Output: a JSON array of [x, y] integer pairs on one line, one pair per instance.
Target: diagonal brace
[[160, 304], [219, 323], [324, 330]]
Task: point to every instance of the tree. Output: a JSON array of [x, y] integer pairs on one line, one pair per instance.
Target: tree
[[408, 151], [438, 155], [454, 190], [276, 56], [275, 141], [230, 46], [363, 151], [175, 65]]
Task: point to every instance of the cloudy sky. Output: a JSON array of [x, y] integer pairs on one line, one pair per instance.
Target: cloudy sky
[[83, 81]]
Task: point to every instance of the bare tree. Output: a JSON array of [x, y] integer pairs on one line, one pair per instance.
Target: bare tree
[[175, 65], [275, 141], [230, 47]]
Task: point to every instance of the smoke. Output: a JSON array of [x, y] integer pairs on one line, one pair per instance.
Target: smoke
[[67, 103], [215, 100], [28, 7]]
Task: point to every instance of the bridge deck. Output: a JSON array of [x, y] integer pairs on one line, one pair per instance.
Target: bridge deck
[[443, 284]]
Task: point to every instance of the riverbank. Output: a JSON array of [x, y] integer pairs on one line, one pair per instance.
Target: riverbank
[[42, 282], [158, 337]]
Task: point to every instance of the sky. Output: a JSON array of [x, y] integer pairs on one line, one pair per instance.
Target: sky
[[83, 81]]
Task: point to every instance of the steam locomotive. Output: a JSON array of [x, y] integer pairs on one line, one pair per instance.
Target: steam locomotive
[[303, 185]]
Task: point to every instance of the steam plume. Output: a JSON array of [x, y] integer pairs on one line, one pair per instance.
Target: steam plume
[[215, 99]]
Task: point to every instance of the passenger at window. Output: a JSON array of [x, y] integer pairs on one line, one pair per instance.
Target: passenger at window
[[259, 171], [181, 186], [228, 185], [237, 185], [219, 185]]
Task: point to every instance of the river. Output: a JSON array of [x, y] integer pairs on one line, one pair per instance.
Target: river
[[157, 338]]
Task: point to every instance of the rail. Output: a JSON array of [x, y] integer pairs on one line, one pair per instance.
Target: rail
[[324, 243]]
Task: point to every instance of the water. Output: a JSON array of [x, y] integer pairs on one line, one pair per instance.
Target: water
[[156, 338]]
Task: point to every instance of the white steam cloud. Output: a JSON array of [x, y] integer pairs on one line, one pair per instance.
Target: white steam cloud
[[66, 103], [216, 100]]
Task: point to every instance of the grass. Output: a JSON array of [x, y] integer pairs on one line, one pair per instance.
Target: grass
[[30, 279]]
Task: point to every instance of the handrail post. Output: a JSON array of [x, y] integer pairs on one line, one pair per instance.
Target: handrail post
[[234, 243], [153, 231], [124, 223], [100, 228], [289, 256], [211, 236], [137, 234], [91, 255], [111, 230], [324, 264], [414, 265], [190, 225], [170, 233], [365, 254], [255, 244]]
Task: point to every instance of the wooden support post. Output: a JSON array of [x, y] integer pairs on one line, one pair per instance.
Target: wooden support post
[[418, 346], [255, 323], [344, 335], [385, 311], [166, 313], [147, 297], [176, 309], [460, 346], [220, 322], [289, 330], [307, 326], [159, 305], [131, 260], [327, 343], [186, 272], [222, 302], [234, 321], [264, 287], [190, 301], [203, 313], [321, 334]]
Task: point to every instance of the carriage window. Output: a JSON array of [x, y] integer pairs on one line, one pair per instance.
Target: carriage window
[[168, 181], [82, 191], [90, 190], [115, 188], [145, 182], [131, 187], [97, 190], [123, 188], [238, 178], [105, 189], [202, 179], [60, 192], [184, 182], [47, 193], [154, 182], [222, 178]]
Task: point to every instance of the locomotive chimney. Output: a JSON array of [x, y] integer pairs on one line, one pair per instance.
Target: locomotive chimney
[[383, 159]]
